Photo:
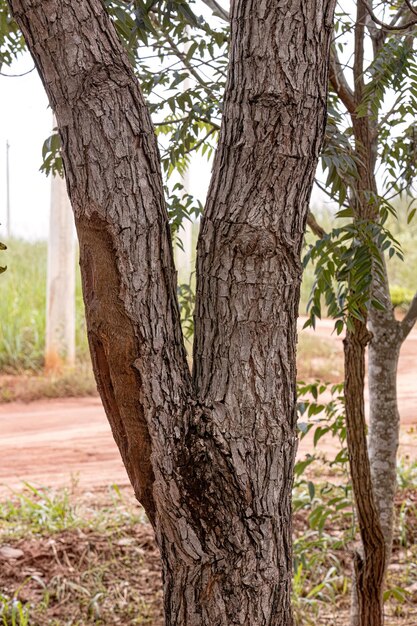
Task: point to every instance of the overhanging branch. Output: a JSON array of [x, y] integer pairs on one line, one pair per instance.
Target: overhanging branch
[[217, 9], [339, 83], [400, 27], [315, 227]]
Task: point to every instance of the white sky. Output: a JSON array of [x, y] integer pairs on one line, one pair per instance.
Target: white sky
[[25, 121]]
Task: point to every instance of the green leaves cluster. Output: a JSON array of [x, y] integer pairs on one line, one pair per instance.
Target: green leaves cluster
[[51, 155], [181, 206], [346, 258], [11, 40], [344, 262]]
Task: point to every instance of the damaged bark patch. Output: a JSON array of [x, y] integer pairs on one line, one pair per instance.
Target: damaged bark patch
[[109, 325]]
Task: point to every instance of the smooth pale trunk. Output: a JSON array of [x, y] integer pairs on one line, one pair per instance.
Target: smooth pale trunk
[[384, 423]]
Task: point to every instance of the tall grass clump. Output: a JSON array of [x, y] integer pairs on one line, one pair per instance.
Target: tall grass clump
[[23, 308]]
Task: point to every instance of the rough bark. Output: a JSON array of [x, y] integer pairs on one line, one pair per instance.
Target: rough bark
[[378, 473], [210, 457], [369, 561]]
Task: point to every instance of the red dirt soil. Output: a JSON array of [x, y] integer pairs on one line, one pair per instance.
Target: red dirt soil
[[52, 442]]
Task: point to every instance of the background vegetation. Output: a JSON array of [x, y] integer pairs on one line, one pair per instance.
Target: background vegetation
[[23, 299]]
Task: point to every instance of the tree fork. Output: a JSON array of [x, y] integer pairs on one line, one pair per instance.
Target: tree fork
[[210, 457]]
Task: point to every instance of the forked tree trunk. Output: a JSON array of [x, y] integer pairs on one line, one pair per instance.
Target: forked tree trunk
[[210, 456]]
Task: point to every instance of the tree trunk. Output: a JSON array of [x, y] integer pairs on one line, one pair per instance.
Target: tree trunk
[[369, 561], [384, 418], [210, 457], [388, 335]]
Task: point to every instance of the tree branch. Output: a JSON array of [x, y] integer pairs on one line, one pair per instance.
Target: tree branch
[[410, 319], [315, 227], [217, 9], [410, 6], [183, 57], [339, 82], [359, 50], [391, 27]]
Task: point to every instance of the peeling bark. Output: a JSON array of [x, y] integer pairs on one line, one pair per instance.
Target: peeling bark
[[210, 456]]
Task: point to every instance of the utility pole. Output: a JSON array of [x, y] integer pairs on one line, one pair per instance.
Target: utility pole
[[8, 227], [60, 302]]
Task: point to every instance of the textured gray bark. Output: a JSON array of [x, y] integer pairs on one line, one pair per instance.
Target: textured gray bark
[[210, 456], [384, 418]]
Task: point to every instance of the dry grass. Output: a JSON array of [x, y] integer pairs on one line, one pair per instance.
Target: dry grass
[[67, 383], [319, 358]]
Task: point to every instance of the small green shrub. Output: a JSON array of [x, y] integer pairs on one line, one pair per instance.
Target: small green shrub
[[13, 612]]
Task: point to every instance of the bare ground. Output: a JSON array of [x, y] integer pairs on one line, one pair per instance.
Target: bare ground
[[53, 442], [49, 441]]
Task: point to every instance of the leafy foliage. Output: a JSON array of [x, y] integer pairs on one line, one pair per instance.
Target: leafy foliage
[[51, 154], [345, 260], [327, 504], [180, 57], [11, 40]]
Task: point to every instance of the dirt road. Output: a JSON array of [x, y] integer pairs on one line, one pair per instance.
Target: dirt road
[[50, 442]]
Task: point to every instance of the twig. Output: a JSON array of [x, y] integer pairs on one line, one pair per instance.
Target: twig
[[384, 26], [217, 9], [339, 82], [315, 227]]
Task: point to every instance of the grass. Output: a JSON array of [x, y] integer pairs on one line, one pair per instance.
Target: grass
[[319, 358], [23, 306], [22, 331], [71, 382], [91, 558], [87, 559]]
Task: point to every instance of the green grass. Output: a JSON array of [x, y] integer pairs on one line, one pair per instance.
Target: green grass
[[91, 558], [319, 358], [23, 306]]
